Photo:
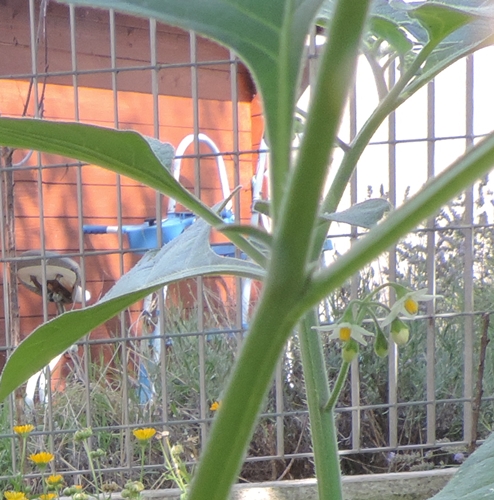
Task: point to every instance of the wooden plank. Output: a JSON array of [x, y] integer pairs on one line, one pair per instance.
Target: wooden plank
[[135, 110], [132, 48]]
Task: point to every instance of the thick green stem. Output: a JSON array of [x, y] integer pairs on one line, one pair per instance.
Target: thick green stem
[[322, 424], [280, 148], [278, 310], [252, 375], [305, 183]]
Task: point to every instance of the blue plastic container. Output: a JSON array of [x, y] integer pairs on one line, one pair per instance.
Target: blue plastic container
[[145, 236]]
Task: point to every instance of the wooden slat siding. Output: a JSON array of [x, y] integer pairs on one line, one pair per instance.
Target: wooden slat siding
[[135, 112], [132, 39]]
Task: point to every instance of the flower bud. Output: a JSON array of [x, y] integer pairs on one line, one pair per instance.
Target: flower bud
[[110, 487], [80, 496], [349, 351], [399, 332], [134, 486], [381, 347], [97, 454], [83, 434]]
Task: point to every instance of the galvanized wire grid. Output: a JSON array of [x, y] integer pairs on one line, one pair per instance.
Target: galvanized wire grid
[[191, 428]]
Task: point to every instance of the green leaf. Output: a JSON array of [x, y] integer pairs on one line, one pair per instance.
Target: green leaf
[[365, 214], [474, 479], [392, 33], [263, 207], [126, 152], [269, 36], [464, 41], [257, 234], [460, 26], [396, 12], [440, 19], [187, 256], [164, 151]]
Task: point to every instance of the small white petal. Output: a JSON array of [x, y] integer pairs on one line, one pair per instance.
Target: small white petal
[[326, 328], [358, 337], [362, 330], [335, 335]]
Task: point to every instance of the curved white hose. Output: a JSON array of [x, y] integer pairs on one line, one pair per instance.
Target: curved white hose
[[182, 147]]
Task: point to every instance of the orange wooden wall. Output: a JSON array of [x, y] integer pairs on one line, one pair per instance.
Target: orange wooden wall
[[96, 101]]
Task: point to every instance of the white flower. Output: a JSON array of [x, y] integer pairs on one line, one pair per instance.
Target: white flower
[[407, 304], [344, 331]]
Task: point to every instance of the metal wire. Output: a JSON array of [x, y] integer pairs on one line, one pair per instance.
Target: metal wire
[[128, 341]]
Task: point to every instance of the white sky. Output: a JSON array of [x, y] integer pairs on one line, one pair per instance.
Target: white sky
[[411, 123]]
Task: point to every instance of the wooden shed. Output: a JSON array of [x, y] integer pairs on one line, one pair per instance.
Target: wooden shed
[[114, 70]]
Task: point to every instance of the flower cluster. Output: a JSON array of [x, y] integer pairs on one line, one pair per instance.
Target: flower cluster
[[350, 332], [53, 485]]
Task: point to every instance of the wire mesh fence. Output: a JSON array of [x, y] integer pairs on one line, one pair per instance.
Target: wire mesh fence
[[164, 361]]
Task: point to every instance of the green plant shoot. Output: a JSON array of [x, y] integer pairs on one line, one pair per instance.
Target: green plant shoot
[[270, 38]]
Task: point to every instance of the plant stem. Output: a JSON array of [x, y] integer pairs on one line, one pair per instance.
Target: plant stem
[[322, 423], [141, 476], [338, 386], [467, 169], [91, 466], [23, 454], [306, 180], [385, 107]]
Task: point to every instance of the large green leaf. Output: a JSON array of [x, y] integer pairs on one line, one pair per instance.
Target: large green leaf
[[269, 36], [459, 27], [440, 20], [474, 479], [464, 41], [187, 256], [387, 30], [129, 153], [144, 159]]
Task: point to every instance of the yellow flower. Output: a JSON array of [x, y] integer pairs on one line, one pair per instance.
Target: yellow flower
[[215, 406], [23, 430], [144, 435], [41, 459], [54, 480], [47, 496], [15, 495]]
